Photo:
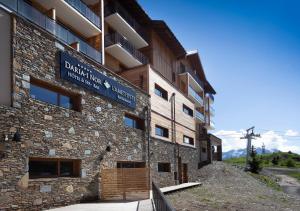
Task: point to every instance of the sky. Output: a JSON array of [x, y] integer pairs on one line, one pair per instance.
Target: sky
[[250, 52]]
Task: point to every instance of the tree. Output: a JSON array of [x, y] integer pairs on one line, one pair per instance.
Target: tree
[[290, 163], [254, 162], [275, 160]]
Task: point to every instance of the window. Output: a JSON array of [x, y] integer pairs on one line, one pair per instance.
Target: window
[[161, 131], [129, 164], [53, 167], [164, 167], [53, 95], [187, 110], [182, 68], [203, 149], [161, 92], [134, 122], [188, 140]]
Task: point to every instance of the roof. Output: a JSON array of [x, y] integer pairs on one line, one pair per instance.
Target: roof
[[194, 58], [136, 11], [166, 34]]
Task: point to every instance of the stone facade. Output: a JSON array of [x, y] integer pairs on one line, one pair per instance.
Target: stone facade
[[167, 152], [49, 131]]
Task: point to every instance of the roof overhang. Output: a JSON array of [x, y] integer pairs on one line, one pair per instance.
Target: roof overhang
[[165, 33]]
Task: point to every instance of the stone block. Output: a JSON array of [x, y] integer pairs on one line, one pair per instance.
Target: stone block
[[52, 152], [70, 189], [38, 201], [48, 117], [45, 188], [23, 182], [87, 152], [25, 84], [71, 131]]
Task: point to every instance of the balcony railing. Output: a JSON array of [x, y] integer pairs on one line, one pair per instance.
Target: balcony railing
[[60, 32], [83, 9], [115, 7], [212, 110], [211, 97], [197, 97], [115, 38], [200, 116], [195, 77]]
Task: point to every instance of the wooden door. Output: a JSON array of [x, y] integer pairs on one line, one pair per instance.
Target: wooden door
[[184, 173], [179, 170]]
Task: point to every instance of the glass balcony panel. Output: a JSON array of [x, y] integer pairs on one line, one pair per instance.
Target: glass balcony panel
[[83, 9], [200, 116], [116, 38], [195, 95], [60, 32]]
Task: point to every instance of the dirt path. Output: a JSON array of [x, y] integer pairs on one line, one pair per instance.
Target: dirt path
[[289, 184], [228, 188]]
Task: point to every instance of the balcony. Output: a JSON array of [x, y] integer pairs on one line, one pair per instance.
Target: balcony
[[117, 46], [195, 97], [75, 14], [199, 117], [122, 22], [61, 33], [211, 111], [211, 98]]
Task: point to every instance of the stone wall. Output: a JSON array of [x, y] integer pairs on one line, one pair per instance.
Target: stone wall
[[50, 131], [163, 151]]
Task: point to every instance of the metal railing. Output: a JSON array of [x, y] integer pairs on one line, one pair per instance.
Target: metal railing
[[199, 115], [60, 32], [159, 199], [116, 38], [211, 97], [83, 9], [197, 97], [195, 77], [212, 110], [117, 8]]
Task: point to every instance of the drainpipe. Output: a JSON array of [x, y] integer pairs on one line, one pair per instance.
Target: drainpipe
[[173, 129]]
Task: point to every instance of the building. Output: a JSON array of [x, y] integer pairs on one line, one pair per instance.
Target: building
[[89, 85], [180, 95]]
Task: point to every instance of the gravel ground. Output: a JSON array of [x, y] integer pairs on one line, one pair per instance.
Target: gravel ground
[[228, 188]]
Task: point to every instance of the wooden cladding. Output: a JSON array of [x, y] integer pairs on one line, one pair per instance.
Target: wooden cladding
[[125, 184]]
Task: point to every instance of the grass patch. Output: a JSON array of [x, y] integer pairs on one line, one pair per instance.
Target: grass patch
[[267, 180], [276, 159], [295, 175]]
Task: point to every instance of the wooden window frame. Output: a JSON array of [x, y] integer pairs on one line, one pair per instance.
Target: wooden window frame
[[189, 112], [190, 140], [140, 123], [132, 162], [164, 167], [164, 93], [76, 167], [165, 131], [75, 98]]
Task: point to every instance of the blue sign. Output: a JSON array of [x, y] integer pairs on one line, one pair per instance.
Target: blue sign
[[85, 76]]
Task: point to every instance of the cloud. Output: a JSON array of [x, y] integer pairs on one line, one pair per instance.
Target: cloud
[[291, 133], [271, 139]]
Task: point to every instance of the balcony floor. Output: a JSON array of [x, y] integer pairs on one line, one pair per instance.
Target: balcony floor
[[123, 55]]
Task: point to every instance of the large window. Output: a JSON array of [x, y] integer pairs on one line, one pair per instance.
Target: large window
[[53, 167], [161, 92], [164, 167], [134, 122], [187, 110], [45, 92], [161, 131], [130, 164], [188, 140]]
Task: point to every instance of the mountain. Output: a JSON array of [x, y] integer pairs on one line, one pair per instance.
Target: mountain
[[235, 153]]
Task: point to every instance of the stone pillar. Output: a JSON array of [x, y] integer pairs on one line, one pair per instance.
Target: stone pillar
[[219, 149], [209, 151]]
